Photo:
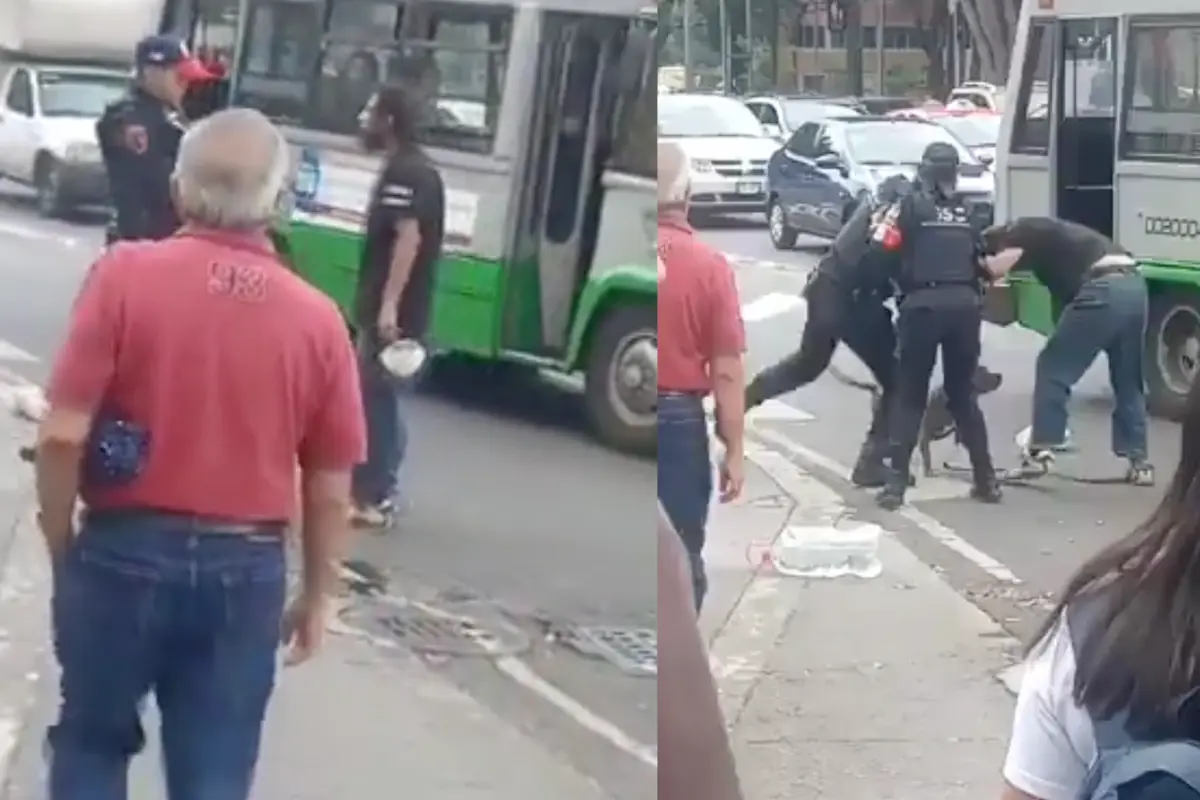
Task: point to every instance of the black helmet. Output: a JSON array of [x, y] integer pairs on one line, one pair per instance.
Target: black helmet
[[892, 189], [939, 166]]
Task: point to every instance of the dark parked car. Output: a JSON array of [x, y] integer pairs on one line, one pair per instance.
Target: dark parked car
[[826, 168]]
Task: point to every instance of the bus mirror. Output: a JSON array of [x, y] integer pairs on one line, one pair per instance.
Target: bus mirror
[[638, 53]]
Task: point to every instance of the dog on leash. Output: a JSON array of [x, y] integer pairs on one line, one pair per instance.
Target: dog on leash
[[938, 423]]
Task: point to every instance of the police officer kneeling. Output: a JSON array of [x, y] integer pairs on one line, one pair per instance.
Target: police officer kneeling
[[940, 281]]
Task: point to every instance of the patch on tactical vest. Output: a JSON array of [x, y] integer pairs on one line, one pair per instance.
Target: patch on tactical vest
[[136, 138]]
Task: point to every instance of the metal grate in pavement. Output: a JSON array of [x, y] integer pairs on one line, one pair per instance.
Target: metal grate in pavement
[[634, 651], [424, 632]]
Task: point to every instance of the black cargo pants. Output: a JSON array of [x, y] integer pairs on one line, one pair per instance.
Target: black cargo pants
[[862, 322], [955, 330]]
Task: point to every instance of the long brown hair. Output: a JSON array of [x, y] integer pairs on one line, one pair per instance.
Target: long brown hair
[[1141, 651]]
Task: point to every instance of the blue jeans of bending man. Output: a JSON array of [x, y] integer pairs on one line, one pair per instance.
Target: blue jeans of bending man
[[685, 477], [1108, 316], [146, 603], [377, 480]]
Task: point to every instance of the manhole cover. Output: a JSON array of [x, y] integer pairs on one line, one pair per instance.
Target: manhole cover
[[632, 650], [425, 632]]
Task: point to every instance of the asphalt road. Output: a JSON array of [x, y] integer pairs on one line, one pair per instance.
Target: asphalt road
[[515, 516], [1039, 534]]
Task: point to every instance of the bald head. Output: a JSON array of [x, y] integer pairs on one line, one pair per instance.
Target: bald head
[[674, 174], [232, 171]]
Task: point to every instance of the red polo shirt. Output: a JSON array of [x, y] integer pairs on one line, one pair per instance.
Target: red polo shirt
[[699, 315], [237, 367]]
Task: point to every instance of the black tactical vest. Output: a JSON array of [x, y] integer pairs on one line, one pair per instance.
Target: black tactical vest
[[941, 245]]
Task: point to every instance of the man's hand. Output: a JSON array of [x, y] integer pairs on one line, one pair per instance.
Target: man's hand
[[733, 475], [304, 623], [58, 535], [386, 324]]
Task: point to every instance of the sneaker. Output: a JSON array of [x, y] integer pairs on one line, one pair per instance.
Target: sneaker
[[380, 515], [889, 498], [1035, 463], [1140, 473], [987, 492]]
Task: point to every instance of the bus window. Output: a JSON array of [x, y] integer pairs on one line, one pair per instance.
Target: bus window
[[1089, 76], [1031, 126], [465, 49], [636, 147], [280, 51], [1162, 91], [323, 74]]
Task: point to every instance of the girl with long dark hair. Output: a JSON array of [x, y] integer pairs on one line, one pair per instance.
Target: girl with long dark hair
[[1121, 648]]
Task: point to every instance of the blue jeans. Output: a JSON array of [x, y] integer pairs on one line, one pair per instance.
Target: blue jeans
[[377, 479], [146, 603], [1107, 316], [685, 483]]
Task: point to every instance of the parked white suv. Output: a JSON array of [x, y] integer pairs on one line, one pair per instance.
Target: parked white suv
[[48, 131]]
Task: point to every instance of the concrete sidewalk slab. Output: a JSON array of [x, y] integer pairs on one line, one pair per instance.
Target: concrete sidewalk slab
[[364, 722], [24, 575], [881, 688]]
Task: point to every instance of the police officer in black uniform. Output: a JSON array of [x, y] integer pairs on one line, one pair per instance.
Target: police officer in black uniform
[[940, 280], [846, 295], [139, 139]]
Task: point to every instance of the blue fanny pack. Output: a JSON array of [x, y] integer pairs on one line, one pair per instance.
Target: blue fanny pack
[[117, 451]]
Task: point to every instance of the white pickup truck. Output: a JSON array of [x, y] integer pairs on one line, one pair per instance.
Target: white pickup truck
[[48, 119]]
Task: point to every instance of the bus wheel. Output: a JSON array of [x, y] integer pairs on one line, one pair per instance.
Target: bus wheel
[[1172, 352], [621, 383]]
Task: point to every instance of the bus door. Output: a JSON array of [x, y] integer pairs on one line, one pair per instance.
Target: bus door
[[570, 139], [1084, 147]]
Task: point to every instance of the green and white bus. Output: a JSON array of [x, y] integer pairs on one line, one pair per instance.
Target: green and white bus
[[542, 121], [1103, 127]]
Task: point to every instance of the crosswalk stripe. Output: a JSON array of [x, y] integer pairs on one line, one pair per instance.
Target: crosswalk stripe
[[770, 411], [10, 352], [770, 305]]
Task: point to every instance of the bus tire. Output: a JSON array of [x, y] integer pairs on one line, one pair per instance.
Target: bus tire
[[1172, 352], [618, 415]]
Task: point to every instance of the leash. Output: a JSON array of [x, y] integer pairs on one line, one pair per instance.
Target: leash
[[1034, 479]]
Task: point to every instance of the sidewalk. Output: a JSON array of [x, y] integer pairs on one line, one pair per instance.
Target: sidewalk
[[371, 724], [366, 723], [883, 688]]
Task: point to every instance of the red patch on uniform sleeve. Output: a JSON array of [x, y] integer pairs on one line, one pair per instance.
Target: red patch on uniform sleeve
[[136, 138]]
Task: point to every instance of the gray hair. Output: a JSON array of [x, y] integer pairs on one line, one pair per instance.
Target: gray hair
[[674, 174], [233, 171]]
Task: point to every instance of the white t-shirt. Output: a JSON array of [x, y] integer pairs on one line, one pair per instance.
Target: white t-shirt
[[1053, 744]]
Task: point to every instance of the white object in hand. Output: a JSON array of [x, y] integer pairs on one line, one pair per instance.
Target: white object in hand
[[403, 358]]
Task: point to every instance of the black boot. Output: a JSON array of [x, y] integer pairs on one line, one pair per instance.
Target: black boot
[[987, 491], [870, 471]]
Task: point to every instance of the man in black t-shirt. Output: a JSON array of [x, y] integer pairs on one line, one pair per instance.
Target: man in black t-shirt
[[403, 242], [1103, 297]]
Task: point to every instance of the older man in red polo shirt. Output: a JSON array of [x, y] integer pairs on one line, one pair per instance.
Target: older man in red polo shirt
[[197, 373], [701, 340]]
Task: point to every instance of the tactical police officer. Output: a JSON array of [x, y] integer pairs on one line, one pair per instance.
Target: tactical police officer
[[846, 295], [139, 139], [940, 279]]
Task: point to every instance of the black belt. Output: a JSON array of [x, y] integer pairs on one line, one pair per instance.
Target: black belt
[[674, 393], [201, 523]]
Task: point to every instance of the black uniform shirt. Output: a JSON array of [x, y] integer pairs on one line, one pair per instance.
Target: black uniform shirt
[[139, 141], [409, 187], [1058, 252]]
